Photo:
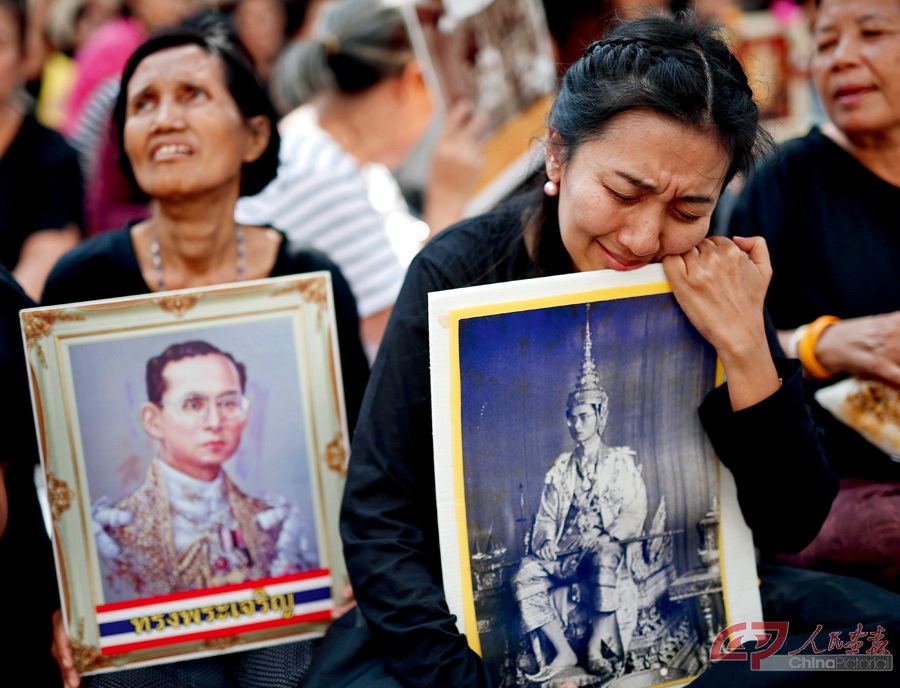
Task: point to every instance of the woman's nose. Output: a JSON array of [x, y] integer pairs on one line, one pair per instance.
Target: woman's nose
[[846, 52], [642, 235], [169, 115]]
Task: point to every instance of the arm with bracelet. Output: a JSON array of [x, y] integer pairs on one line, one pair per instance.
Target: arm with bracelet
[[867, 346]]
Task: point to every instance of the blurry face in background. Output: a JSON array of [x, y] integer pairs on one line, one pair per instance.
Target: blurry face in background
[[856, 67], [260, 24], [10, 54], [95, 13], [156, 13]]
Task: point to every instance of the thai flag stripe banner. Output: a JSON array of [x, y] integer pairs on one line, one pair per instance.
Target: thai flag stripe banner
[[215, 612]]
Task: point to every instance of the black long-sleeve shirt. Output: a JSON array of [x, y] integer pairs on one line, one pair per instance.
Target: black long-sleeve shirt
[[389, 522]]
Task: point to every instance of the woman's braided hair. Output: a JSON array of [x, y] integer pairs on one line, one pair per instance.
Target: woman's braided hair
[[674, 67]]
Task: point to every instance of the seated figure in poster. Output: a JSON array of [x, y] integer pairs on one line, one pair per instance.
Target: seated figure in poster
[[593, 499], [188, 526]]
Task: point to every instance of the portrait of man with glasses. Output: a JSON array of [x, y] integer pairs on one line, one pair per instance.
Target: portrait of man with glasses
[[188, 526]]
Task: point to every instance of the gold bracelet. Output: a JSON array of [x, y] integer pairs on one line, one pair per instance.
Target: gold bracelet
[[806, 347]]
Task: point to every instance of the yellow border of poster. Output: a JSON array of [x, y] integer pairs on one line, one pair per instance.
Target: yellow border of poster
[[454, 318]]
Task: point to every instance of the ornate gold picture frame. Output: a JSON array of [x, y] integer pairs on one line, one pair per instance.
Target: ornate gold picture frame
[[194, 445]]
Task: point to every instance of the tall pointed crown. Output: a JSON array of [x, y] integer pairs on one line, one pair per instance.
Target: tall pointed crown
[[587, 388]]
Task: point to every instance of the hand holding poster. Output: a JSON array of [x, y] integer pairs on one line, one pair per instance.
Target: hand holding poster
[[194, 446], [587, 530]]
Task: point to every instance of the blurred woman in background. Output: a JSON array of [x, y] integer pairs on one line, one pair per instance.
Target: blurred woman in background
[[363, 104], [40, 182], [827, 205]]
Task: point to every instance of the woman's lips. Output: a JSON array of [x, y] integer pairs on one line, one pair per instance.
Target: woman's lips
[[848, 95], [169, 150], [617, 262]]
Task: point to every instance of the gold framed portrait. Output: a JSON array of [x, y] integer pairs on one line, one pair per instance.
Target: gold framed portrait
[[194, 444]]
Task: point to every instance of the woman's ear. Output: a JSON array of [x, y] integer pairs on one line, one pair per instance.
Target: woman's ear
[[150, 419], [260, 128], [552, 156]]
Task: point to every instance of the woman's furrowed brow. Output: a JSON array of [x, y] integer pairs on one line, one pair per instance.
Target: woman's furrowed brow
[[648, 185]]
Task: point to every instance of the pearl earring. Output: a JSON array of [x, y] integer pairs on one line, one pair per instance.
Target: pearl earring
[[551, 188]]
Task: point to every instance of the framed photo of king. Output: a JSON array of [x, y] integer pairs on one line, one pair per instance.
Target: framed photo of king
[[588, 532], [194, 446]]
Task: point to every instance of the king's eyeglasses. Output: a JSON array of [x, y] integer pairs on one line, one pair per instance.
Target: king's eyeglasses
[[194, 408]]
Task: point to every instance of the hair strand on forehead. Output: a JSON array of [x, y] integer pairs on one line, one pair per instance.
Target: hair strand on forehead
[[709, 85]]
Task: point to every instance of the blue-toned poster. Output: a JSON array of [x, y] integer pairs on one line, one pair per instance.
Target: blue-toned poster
[[583, 518]]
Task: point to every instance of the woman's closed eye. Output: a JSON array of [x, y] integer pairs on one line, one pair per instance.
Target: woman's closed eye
[[624, 198], [685, 216]]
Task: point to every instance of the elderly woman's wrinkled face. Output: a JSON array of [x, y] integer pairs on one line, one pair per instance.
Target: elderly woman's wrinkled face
[[857, 64], [157, 13], [184, 134], [645, 190]]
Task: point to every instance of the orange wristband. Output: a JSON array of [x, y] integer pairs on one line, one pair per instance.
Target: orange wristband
[[806, 347]]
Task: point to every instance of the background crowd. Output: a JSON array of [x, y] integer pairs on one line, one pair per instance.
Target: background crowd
[[86, 104]]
